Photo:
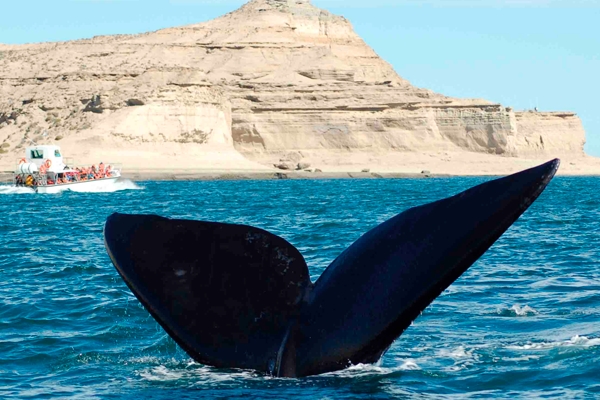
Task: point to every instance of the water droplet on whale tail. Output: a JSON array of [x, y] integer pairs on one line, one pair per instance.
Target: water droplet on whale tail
[[239, 297]]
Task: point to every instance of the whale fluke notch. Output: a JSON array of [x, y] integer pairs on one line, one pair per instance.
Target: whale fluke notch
[[239, 297]]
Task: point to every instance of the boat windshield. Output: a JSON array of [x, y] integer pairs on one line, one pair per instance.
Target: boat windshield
[[56, 153], [37, 154]]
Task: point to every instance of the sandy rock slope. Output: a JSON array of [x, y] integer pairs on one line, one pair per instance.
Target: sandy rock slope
[[242, 91]]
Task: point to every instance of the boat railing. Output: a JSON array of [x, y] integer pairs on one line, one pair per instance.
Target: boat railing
[[51, 178], [115, 166], [40, 179], [20, 179]]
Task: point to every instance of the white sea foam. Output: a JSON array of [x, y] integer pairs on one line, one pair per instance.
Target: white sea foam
[[524, 311], [575, 341], [462, 357], [458, 353], [522, 358], [359, 370], [108, 187], [9, 189], [518, 311], [175, 371], [162, 374], [104, 187], [409, 365], [206, 374]]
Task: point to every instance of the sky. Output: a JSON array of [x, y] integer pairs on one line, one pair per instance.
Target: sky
[[520, 53]]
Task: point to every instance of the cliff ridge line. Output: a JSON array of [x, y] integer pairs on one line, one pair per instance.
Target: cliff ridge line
[[272, 77]]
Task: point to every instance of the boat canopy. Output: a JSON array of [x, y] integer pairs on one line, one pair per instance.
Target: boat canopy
[[40, 153]]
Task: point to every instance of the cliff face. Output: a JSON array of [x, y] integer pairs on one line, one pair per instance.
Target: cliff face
[[270, 77]]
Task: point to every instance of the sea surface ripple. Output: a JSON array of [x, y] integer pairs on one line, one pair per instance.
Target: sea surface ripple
[[524, 321]]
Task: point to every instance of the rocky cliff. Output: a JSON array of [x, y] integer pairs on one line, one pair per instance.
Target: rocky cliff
[[268, 78]]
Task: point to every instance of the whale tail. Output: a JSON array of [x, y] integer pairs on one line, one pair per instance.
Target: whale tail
[[240, 297]]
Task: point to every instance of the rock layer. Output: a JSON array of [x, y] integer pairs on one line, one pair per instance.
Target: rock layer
[[271, 77]]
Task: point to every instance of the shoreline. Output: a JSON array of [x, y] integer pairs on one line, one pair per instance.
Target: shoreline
[[264, 175], [207, 175], [351, 166], [142, 176], [328, 165]]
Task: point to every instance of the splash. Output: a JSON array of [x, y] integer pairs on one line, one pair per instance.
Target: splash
[[9, 189], [196, 373], [98, 187], [363, 370], [517, 311]]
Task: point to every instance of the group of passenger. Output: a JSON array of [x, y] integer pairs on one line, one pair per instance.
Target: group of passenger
[[92, 172], [83, 174], [69, 176]]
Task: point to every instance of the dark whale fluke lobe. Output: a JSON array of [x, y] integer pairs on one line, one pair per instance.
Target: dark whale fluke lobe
[[239, 297]]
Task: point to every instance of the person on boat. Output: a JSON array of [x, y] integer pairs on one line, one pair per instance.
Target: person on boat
[[101, 171], [91, 172], [108, 172], [29, 180], [19, 180]]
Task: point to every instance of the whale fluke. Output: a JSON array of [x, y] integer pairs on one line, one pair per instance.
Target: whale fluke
[[239, 297], [225, 293]]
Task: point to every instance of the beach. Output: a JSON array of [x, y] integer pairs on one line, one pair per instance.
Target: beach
[[342, 165]]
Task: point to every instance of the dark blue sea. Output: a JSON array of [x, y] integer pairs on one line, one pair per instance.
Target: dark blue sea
[[524, 321]]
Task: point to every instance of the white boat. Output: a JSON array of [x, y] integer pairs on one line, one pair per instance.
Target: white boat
[[43, 170]]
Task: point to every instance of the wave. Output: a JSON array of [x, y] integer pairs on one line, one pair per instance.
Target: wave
[[517, 311], [362, 370], [575, 341], [8, 189], [196, 373], [458, 353], [104, 187], [166, 372]]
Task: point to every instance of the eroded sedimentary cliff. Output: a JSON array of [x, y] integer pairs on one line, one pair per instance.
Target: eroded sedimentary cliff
[[270, 77]]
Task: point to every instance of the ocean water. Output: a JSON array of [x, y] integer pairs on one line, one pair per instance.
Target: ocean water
[[524, 321]]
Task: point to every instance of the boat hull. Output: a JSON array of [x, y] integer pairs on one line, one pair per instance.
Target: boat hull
[[83, 186]]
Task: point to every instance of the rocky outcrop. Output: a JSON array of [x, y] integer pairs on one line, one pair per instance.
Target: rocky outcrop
[[268, 78]]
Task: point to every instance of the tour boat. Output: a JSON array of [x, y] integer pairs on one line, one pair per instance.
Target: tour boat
[[44, 170]]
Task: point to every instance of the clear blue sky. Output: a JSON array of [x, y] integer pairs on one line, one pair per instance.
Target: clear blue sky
[[521, 53]]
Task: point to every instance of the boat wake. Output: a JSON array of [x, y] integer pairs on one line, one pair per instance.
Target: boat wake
[[9, 189], [104, 187]]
